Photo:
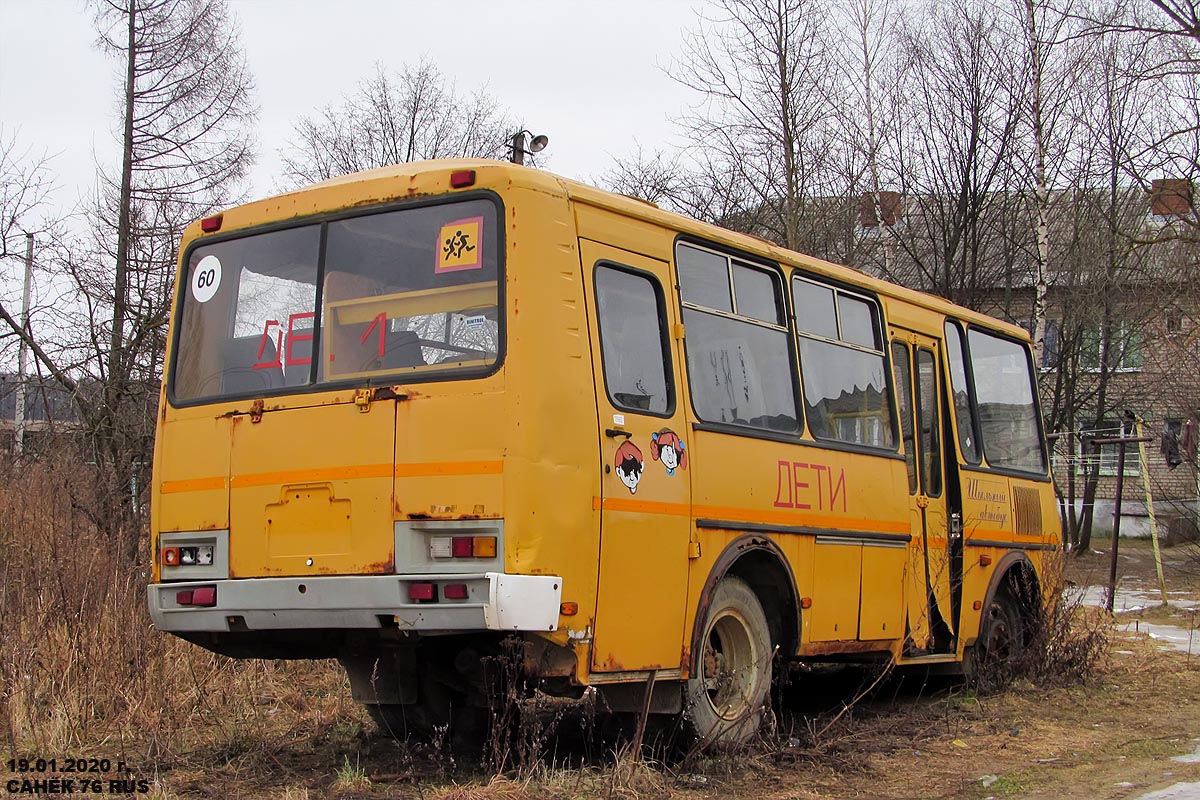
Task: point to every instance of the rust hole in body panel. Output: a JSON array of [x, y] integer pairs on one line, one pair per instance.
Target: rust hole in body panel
[[256, 411], [396, 392]]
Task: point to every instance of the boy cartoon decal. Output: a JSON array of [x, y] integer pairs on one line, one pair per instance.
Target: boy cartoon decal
[[667, 447], [629, 464]]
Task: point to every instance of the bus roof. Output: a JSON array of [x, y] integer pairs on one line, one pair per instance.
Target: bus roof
[[505, 173]]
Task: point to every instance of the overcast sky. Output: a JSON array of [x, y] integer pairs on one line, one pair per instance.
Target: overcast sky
[[587, 73]]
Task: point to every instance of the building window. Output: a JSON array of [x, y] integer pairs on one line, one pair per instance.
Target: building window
[[1122, 353], [1051, 345]]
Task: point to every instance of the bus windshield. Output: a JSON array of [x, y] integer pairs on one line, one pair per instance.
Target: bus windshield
[[414, 290]]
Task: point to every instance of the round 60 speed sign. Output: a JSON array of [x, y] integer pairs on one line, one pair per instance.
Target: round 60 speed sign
[[206, 279]]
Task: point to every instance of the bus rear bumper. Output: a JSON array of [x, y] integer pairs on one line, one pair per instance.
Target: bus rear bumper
[[494, 601]]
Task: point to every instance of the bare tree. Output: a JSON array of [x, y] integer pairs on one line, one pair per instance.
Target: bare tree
[[185, 113], [25, 187], [392, 118], [764, 117], [963, 108]]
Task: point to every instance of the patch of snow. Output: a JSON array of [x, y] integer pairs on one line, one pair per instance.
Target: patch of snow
[[1180, 791]]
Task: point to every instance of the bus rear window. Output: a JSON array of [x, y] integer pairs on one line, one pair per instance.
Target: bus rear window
[[407, 291]]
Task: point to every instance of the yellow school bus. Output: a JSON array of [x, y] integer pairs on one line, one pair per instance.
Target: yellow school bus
[[415, 415]]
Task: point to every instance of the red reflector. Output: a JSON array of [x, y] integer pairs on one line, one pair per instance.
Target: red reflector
[[455, 591], [420, 591], [184, 598], [463, 547], [212, 224], [206, 596], [464, 177]]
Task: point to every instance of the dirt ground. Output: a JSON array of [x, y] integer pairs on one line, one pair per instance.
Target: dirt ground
[[1117, 735]]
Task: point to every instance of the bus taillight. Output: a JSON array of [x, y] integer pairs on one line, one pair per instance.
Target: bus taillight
[[204, 596], [424, 591], [462, 547]]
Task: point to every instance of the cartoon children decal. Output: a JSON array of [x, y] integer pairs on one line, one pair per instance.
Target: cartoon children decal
[[629, 464], [667, 447]]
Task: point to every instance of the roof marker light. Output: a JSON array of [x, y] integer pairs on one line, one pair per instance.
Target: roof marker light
[[462, 178], [212, 224]]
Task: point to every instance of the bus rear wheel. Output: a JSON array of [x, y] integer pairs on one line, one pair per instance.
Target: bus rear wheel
[[462, 726], [727, 695]]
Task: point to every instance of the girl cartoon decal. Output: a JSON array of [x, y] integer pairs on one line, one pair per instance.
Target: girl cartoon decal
[[629, 464], [667, 447]]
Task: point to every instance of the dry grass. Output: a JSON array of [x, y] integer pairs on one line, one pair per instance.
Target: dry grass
[[83, 673]]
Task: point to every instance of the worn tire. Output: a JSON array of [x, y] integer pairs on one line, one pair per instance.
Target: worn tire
[[462, 729], [727, 695], [1002, 639]]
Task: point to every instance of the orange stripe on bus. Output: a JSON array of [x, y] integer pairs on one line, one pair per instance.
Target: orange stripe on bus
[[449, 468], [749, 515], [192, 485], [646, 506], [338, 473], [312, 475]]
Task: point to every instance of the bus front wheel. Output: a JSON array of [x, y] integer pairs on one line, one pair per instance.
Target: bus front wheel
[[728, 692], [1002, 640]]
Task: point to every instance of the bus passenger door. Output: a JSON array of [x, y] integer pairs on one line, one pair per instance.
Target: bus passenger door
[[645, 513], [931, 617]]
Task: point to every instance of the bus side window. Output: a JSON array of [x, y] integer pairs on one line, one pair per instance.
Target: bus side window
[[842, 365], [739, 367], [928, 429], [633, 341], [902, 362], [1004, 388], [964, 412]]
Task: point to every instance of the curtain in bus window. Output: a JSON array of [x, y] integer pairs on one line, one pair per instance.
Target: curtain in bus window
[[632, 341], [1008, 423], [247, 320], [845, 394], [411, 289], [842, 366]]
